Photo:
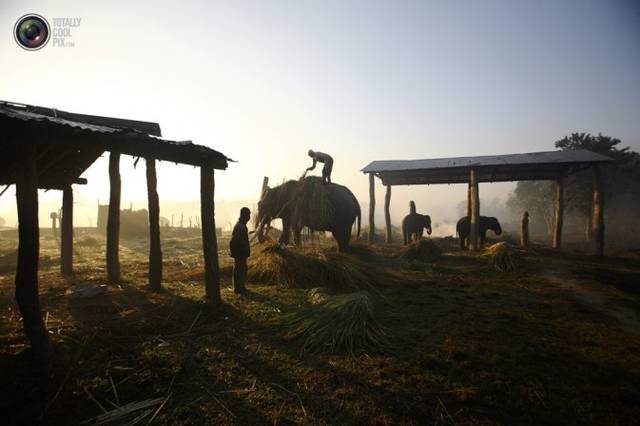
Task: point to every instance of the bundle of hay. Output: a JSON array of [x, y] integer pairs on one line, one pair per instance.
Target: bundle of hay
[[291, 267], [423, 250], [341, 324], [274, 263], [500, 256], [313, 206]]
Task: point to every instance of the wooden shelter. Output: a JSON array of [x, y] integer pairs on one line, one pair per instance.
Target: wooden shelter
[[550, 165], [44, 148]]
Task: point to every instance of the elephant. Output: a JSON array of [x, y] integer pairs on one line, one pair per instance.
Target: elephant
[[463, 228], [413, 225], [336, 212]]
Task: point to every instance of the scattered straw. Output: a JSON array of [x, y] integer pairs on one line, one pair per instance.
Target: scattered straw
[[424, 250]]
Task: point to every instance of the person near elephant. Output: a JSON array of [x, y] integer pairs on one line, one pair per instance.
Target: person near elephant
[[485, 223], [325, 159], [413, 226], [240, 250], [412, 207]]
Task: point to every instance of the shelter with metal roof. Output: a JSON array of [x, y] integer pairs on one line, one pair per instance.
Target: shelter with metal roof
[[50, 149], [549, 165]]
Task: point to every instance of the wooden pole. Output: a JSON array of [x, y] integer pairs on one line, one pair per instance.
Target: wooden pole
[[556, 241], [598, 211], [113, 220], [475, 211], [372, 208], [26, 280], [469, 195], [387, 214], [209, 239], [155, 250], [66, 232], [524, 230]]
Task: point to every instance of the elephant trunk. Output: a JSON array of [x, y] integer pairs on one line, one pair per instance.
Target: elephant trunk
[[428, 230]]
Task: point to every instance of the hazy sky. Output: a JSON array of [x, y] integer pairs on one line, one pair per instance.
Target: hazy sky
[[264, 81]]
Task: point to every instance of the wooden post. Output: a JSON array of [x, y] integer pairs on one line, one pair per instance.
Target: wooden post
[[556, 241], [475, 210], [113, 220], [469, 195], [598, 211], [66, 232], [524, 230], [26, 280], [387, 214], [155, 250], [372, 208], [54, 219], [209, 239]]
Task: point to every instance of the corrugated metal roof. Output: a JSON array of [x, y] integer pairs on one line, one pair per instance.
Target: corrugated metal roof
[[126, 140], [532, 158], [32, 116]]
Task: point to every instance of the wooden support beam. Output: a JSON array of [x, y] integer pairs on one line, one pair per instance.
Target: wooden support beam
[[558, 215], [26, 280], [475, 210], [209, 239], [597, 223], [113, 220], [66, 232], [372, 208], [469, 201], [155, 250], [387, 214], [524, 230]]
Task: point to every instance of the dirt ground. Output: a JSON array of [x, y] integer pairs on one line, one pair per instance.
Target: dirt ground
[[555, 342]]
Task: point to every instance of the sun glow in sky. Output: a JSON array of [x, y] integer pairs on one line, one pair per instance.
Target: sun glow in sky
[[264, 81]]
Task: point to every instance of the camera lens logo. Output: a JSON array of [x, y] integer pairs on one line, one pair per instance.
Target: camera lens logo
[[31, 32]]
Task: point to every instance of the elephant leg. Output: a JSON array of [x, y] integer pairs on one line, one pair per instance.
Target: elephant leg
[[483, 236], [286, 231], [462, 244], [297, 236]]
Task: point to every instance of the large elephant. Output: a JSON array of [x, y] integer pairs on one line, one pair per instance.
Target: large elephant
[[324, 206], [413, 225], [485, 223]]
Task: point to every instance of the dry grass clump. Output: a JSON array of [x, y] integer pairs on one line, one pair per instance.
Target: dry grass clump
[[424, 250], [313, 206], [272, 263], [343, 323], [501, 256], [88, 241]]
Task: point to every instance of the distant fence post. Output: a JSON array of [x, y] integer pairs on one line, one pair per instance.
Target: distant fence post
[[598, 211], [558, 215], [475, 210], [113, 219], [387, 214], [524, 230]]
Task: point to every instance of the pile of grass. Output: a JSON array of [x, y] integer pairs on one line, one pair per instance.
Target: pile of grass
[[275, 264], [313, 206], [272, 263], [343, 323], [501, 256], [423, 250], [88, 241]]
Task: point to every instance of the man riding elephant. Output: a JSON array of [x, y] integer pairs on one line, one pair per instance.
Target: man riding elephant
[[485, 223], [326, 159]]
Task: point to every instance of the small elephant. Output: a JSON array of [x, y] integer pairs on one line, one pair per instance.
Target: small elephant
[[485, 223], [413, 225]]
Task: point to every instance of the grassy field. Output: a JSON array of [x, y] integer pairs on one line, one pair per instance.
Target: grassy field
[[557, 341]]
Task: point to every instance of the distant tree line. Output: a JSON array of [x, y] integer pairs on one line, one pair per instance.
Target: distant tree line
[[621, 180]]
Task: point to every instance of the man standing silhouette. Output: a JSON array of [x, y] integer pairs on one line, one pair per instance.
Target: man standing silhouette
[[326, 159], [240, 250]]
